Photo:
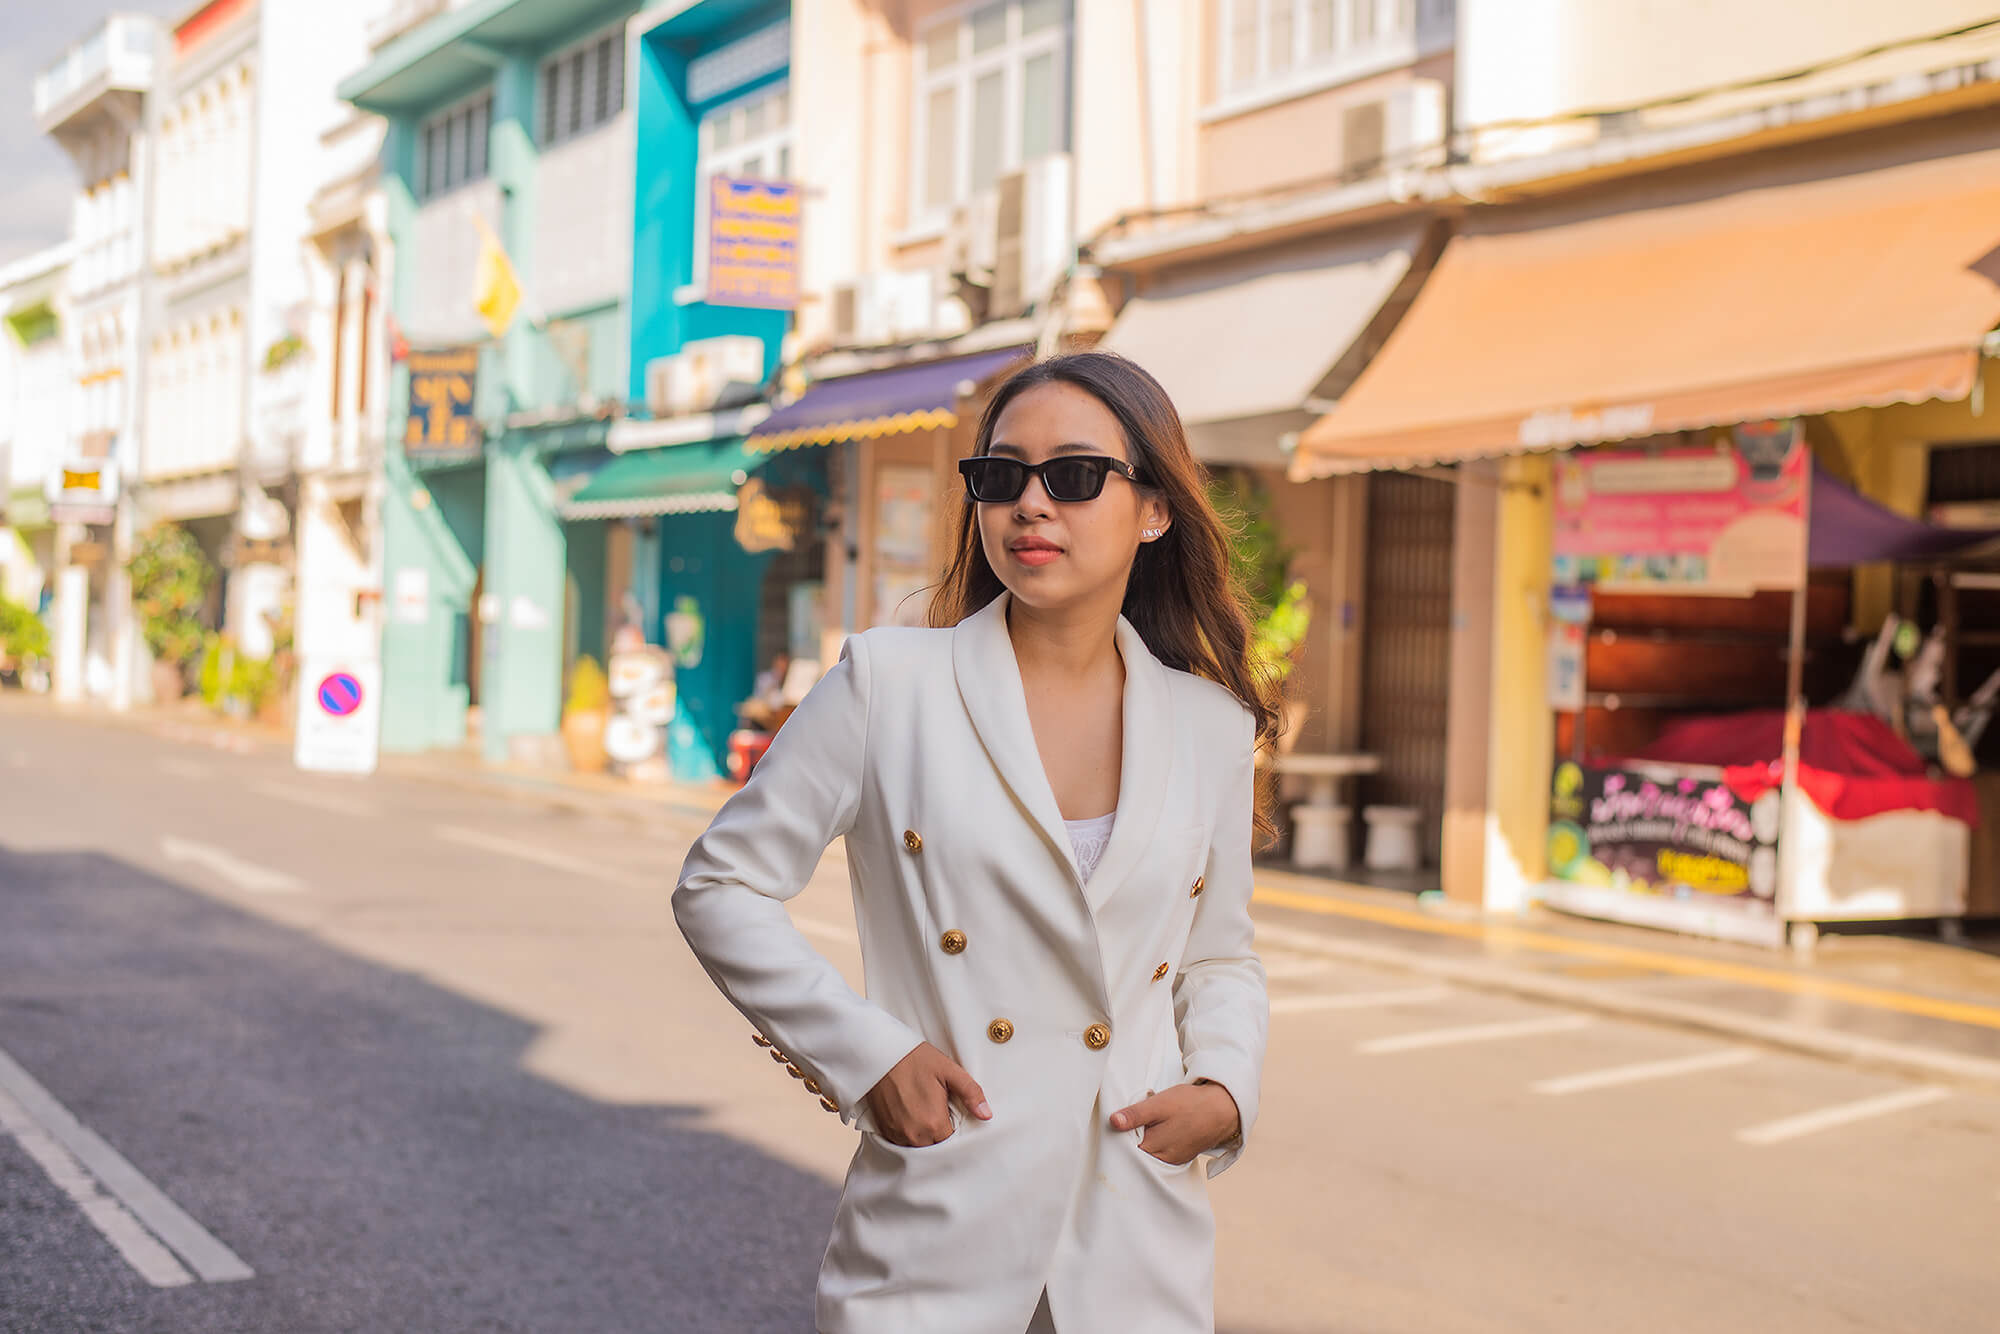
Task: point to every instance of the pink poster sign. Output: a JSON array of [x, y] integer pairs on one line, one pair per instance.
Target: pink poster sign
[[1704, 520]]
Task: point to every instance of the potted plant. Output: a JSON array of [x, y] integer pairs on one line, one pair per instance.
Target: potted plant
[[171, 579], [24, 640], [585, 716], [1279, 609]]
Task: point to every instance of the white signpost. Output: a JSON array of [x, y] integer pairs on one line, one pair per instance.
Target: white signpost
[[340, 716]]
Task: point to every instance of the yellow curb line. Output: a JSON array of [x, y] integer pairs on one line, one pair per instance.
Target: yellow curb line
[[1770, 979]]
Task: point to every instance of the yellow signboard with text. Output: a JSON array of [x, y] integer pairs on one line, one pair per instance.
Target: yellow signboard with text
[[753, 243]]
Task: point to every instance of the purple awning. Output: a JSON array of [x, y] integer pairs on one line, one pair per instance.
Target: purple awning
[[918, 397], [1849, 529]]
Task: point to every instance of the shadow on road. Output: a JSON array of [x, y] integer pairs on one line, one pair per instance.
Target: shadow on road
[[368, 1142]]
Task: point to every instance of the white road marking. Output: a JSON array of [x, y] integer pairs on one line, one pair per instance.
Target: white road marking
[[135, 1216], [180, 768], [826, 930], [1283, 964], [1826, 1118], [1451, 1037], [141, 1249], [1359, 1000], [529, 852], [244, 875], [1647, 1070], [326, 801]]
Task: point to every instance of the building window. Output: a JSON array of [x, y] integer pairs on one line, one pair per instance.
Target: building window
[[992, 94], [582, 88], [747, 138], [1266, 44], [451, 148]]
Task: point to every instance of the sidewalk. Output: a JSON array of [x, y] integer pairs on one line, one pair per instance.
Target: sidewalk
[[1891, 1001]]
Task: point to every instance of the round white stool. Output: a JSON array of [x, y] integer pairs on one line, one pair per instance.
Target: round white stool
[[1319, 836], [1392, 838]]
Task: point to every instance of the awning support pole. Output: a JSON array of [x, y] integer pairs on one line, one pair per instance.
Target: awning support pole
[[1795, 702]]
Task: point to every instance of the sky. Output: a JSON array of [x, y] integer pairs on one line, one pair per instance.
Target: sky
[[39, 179]]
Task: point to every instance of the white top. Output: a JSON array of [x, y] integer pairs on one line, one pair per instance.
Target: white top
[[1089, 838]]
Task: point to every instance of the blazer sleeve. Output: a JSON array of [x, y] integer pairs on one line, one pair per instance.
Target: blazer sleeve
[[759, 852], [1220, 1004]]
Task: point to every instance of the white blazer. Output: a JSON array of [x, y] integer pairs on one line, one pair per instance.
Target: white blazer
[[1065, 1000]]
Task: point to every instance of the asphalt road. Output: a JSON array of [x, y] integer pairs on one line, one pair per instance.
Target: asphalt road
[[424, 1060]]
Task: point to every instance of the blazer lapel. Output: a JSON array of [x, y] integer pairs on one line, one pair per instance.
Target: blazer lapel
[[989, 683], [1145, 766]]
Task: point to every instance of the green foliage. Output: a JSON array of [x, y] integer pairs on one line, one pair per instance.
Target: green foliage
[[252, 681], [22, 634], [1280, 612], [216, 655], [283, 350], [589, 690], [171, 579]]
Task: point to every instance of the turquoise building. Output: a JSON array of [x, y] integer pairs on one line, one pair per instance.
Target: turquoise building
[[579, 140]]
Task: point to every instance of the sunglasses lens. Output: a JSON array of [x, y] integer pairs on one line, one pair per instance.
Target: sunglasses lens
[[994, 480], [1074, 480]]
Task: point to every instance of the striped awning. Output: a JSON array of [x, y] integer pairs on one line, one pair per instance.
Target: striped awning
[[679, 479], [902, 399]]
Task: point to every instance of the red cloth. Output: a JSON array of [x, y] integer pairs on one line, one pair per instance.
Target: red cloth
[[1852, 765]]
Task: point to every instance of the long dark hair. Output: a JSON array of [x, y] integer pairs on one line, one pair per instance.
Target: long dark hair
[[1183, 596]]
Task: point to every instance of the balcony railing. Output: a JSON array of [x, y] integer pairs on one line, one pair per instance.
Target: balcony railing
[[118, 54], [399, 17]]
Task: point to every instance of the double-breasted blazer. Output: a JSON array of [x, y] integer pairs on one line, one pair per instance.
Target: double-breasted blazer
[[1065, 999]]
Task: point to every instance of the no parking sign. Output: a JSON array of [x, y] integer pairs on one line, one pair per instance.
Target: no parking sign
[[339, 717]]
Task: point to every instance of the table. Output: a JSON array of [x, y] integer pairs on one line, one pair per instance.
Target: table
[[1319, 834]]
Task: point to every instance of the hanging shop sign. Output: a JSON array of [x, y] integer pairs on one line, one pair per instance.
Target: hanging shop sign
[[767, 522], [1665, 832], [83, 491], [441, 424], [753, 243], [1728, 520]]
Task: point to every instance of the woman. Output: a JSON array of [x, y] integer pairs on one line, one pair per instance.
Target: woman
[[1048, 813]]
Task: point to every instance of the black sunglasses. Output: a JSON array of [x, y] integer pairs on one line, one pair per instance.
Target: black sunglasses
[[993, 479]]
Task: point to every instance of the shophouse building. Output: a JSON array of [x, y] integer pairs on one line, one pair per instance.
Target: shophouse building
[[509, 133], [93, 101], [37, 383]]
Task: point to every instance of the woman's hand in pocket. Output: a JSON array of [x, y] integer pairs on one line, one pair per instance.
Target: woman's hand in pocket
[[912, 1103], [1183, 1121]]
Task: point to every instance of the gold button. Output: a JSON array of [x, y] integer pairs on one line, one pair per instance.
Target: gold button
[[1159, 972], [912, 841], [829, 1104], [812, 1085], [1200, 883], [1097, 1037], [795, 1072], [952, 942], [760, 1039], [780, 1057], [1000, 1030]]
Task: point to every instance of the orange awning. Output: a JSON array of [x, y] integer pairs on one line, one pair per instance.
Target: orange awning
[[1813, 296]]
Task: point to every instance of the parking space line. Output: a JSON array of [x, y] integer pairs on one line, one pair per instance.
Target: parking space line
[[1654, 961], [79, 1161], [1452, 1037], [1359, 1000], [1846, 1113], [1644, 1071], [323, 801], [529, 852]]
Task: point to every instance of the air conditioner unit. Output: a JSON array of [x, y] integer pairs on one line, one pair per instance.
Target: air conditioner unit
[[706, 374], [1403, 130], [968, 241], [1033, 242], [892, 306]]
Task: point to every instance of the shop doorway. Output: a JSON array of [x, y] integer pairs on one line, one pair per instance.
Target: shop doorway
[[1406, 674]]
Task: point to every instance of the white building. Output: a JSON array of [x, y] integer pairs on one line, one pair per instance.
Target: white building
[[92, 101], [36, 385]]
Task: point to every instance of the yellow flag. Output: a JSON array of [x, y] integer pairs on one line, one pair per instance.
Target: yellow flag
[[498, 290]]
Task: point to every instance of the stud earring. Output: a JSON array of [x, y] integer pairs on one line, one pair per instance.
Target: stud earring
[[1151, 532]]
